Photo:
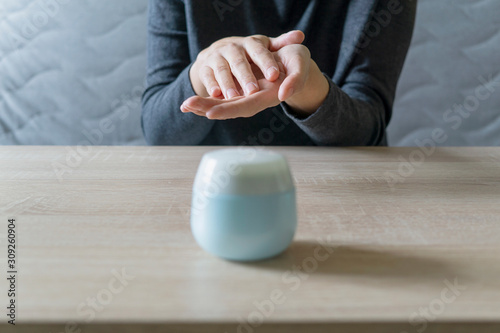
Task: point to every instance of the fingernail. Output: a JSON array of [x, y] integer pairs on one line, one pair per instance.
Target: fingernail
[[213, 91], [251, 87], [231, 93], [185, 109], [209, 116], [271, 71]]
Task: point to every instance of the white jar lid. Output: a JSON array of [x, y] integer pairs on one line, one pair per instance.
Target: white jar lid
[[243, 171]]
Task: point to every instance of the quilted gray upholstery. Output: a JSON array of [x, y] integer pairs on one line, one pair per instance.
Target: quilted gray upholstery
[[456, 45], [72, 71]]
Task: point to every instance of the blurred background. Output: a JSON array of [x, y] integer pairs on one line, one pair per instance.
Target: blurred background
[[72, 73]]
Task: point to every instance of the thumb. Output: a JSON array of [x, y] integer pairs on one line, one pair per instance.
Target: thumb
[[289, 38], [297, 69]]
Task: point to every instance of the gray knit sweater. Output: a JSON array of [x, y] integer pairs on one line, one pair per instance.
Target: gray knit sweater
[[359, 45]]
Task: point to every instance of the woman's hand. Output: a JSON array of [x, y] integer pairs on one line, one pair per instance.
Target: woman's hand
[[241, 106], [300, 84], [226, 65]]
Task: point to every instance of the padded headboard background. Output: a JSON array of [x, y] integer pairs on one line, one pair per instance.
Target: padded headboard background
[[72, 71], [455, 49]]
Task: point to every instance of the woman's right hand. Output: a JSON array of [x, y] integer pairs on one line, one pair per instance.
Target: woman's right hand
[[224, 69]]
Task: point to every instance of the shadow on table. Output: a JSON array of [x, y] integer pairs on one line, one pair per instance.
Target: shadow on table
[[315, 259]]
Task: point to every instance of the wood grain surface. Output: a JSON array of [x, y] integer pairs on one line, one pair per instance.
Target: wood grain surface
[[389, 240]]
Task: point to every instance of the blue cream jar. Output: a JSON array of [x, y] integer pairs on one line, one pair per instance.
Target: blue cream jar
[[243, 206]]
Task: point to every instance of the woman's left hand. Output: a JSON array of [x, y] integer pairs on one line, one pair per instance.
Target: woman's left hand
[[300, 84]]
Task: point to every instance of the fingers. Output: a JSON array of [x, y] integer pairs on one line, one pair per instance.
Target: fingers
[[199, 105], [242, 107], [202, 104], [294, 65], [186, 109], [289, 38], [224, 77], [226, 65], [227, 109], [241, 69], [260, 48], [261, 56], [208, 79], [297, 63]]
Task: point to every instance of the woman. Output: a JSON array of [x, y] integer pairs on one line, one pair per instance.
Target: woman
[[329, 78]]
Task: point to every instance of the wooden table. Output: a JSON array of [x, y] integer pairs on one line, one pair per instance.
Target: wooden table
[[383, 244]]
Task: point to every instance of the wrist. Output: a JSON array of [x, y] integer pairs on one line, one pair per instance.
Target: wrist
[[313, 95]]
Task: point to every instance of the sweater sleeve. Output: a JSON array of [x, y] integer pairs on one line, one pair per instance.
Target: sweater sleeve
[[359, 104], [167, 83]]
